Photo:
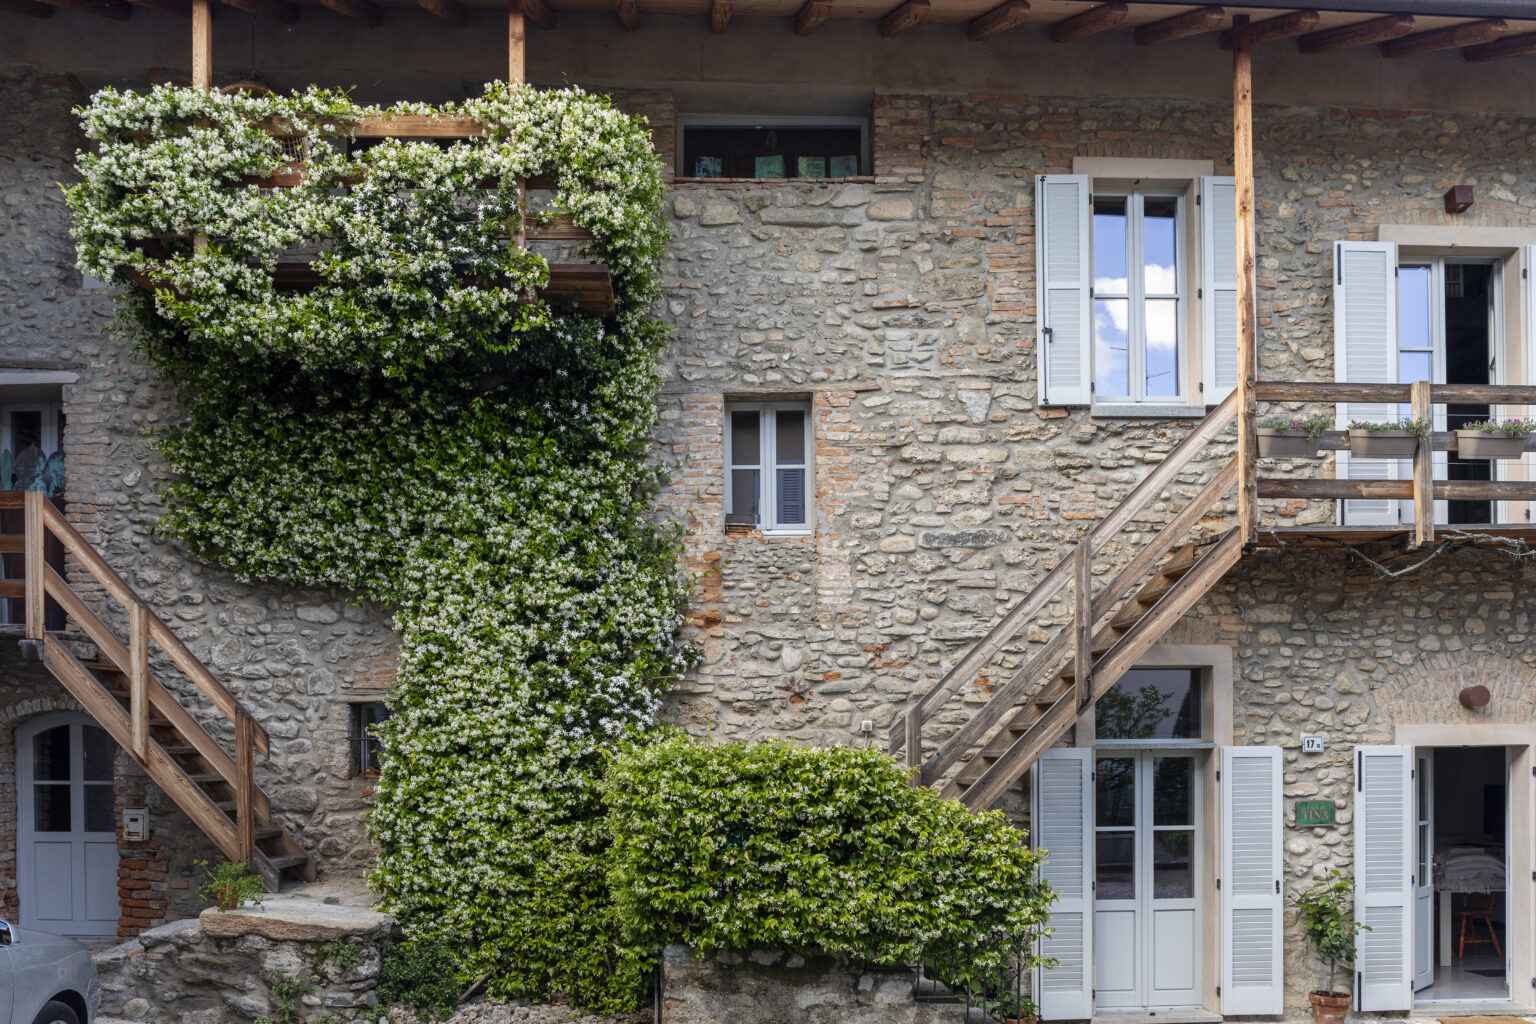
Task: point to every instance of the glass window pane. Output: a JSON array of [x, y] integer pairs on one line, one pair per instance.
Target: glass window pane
[[99, 752], [50, 812], [50, 754], [1173, 864], [744, 491], [1162, 348], [98, 808], [745, 439], [1109, 246], [26, 429], [791, 497], [1111, 347], [1160, 245], [1413, 309], [790, 437], [1151, 704], [1173, 794], [1115, 865], [1115, 791], [1412, 366]]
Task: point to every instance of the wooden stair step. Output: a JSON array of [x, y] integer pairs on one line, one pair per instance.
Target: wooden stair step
[[264, 834], [204, 778], [1180, 562], [178, 749], [284, 862]]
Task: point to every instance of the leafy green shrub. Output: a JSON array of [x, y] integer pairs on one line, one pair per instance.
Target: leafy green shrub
[[771, 844], [1327, 918], [228, 885], [422, 974], [1312, 425], [1422, 429]]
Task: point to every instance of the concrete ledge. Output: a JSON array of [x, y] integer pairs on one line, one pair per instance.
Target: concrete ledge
[[296, 920]]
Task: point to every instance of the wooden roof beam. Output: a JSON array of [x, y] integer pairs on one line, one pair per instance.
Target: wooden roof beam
[[117, 10], [448, 10], [811, 15], [1468, 33], [629, 13], [1296, 23], [1181, 26], [999, 19], [536, 11], [278, 10], [358, 10], [1093, 20], [1361, 33], [904, 17], [1523, 45], [27, 7], [719, 15]]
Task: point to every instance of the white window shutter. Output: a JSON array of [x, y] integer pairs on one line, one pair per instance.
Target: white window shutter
[[1252, 906], [1365, 352], [1063, 276], [1062, 821], [1218, 285], [1384, 878]]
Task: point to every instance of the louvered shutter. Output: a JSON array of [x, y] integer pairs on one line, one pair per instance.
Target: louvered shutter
[[1252, 907], [1365, 352], [1063, 276], [1218, 285], [1384, 878], [1062, 819]]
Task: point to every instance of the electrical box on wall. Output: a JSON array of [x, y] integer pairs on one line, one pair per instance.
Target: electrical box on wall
[[135, 824]]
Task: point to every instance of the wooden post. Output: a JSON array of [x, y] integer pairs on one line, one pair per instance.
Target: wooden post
[[1247, 329], [517, 45], [138, 679], [914, 741], [245, 790], [32, 503], [1423, 469], [1082, 622], [202, 44]]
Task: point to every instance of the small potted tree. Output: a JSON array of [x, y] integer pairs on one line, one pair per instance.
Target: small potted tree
[[1493, 439], [1327, 917], [1292, 437], [1393, 439]]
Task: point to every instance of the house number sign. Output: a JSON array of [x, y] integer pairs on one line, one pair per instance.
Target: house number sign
[[1311, 744], [1314, 812]]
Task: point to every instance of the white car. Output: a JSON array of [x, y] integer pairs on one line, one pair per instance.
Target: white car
[[45, 979]]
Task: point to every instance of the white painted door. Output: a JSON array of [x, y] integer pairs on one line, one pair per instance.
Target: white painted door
[[1423, 871], [1146, 895], [1384, 890], [1252, 903], [66, 841], [1062, 818]]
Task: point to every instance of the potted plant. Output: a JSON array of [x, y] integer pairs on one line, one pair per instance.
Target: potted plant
[[1493, 439], [1327, 917], [1292, 437], [1009, 1007], [229, 885], [1393, 439]]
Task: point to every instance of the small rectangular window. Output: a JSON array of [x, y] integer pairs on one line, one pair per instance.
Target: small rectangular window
[[1151, 704], [768, 466], [366, 718], [773, 149]]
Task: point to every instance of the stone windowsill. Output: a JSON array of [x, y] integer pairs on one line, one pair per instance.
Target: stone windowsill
[[1147, 411]]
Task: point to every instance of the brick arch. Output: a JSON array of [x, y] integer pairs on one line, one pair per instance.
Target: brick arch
[[1426, 692]]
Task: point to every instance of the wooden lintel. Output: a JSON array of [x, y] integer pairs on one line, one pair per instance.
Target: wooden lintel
[[280, 11], [904, 17], [1361, 33], [358, 10], [1296, 23], [1523, 45], [1181, 26], [1470, 33], [117, 10], [812, 14], [448, 10], [629, 13], [537, 11], [27, 7], [1091, 21], [719, 15], [999, 19]]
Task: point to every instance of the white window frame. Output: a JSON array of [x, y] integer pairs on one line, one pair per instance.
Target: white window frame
[[687, 121], [1136, 296], [768, 465]]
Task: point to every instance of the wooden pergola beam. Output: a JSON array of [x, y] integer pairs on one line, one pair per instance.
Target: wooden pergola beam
[[1091, 21], [358, 10], [280, 11], [1296, 23], [1471, 33], [26, 7], [629, 13], [719, 16], [536, 11], [1361, 33], [1523, 45], [448, 10], [117, 10], [999, 19], [1181, 26], [812, 14], [904, 17]]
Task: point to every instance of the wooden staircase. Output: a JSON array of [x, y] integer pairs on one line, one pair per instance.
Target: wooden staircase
[[1108, 634], [216, 790]]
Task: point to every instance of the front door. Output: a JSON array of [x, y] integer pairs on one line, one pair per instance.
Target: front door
[[66, 842], [1146, 903]]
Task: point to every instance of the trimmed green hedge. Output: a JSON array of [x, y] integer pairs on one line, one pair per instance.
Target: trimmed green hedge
[[774, 845]]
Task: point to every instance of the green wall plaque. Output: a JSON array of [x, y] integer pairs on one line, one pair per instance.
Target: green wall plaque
[[1314, 812]]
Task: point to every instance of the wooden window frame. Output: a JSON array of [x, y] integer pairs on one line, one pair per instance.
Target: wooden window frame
[[767, 464]]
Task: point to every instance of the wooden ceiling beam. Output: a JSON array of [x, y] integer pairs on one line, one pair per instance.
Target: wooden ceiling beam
[[812, 14], [1523, 45], [1091, 21], [629, 13], [1181, 26], [1361, 33], [1296, 23], [904, 17], [181, 7], [536, 11], [1468, 33], [999, 19], [26, 7], [448, 10], [719, 15], [358, 10], [278, 10], [117, 10]]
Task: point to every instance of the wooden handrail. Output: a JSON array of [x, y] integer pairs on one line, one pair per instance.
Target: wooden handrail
[[1395, 394]]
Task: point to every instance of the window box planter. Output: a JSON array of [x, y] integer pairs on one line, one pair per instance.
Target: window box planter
[[1383, 444], [1483, 444], [1287, 444]]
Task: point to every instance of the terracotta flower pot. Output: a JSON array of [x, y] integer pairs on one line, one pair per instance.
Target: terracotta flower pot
[[1287, 444], [1329, 1007], [1383, 444], [1480, 444]]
